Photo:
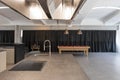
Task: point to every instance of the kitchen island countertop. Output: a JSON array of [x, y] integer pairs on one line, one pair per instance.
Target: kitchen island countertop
[[57, 67]]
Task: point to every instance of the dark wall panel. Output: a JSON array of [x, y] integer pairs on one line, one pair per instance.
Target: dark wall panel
[[7, 40], [6, 37], [19, 52], [99, 41]]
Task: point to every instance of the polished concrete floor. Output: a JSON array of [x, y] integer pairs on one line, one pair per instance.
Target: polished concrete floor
[[100, 66]]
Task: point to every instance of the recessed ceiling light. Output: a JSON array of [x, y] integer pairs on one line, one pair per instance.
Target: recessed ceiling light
[[4, 7], [107, 7]]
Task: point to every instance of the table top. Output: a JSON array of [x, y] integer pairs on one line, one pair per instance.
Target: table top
[[73, 46]]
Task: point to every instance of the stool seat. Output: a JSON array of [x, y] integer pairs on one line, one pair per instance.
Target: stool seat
[[35, 47]]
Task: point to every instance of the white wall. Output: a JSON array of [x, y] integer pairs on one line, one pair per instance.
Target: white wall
[[118, 41]]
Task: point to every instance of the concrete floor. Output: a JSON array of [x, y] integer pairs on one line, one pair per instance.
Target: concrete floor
[[100, 66]]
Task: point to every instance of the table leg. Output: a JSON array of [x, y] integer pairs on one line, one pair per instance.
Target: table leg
[[86, 52], [59, 51]]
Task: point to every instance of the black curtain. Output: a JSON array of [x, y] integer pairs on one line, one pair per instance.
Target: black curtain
[[99, 41], [6, 37]]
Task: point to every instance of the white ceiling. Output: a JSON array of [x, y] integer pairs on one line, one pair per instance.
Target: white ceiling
[[86, 16]]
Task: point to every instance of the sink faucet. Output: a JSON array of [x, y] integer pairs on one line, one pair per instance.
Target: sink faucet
[[49, 46]]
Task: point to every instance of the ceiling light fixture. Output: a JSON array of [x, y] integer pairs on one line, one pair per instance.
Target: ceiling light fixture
[[107, 7], [68, 12], [68, 8], [5, 7], [36, 8], [66, 31], [79, 32]]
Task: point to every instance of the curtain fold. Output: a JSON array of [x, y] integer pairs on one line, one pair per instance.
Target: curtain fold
[[6, 37]]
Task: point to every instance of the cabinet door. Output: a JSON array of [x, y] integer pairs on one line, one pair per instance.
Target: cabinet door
[[2, 61], [10, 56]]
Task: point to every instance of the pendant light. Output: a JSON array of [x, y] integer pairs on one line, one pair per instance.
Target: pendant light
[[79, 32], [66, 31]]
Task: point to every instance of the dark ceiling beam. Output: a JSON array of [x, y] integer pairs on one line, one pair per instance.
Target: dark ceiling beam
[[81, 3], [44, 5]]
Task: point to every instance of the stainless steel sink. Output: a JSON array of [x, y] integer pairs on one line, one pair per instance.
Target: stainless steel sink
[[29, 66]]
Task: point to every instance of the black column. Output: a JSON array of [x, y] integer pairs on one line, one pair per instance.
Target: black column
[[19, 52]]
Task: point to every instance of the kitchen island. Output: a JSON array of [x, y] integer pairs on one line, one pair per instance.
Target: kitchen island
[[57, 67], [9, 54]]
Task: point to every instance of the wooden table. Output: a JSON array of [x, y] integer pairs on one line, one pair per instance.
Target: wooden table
[[74, 48]]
